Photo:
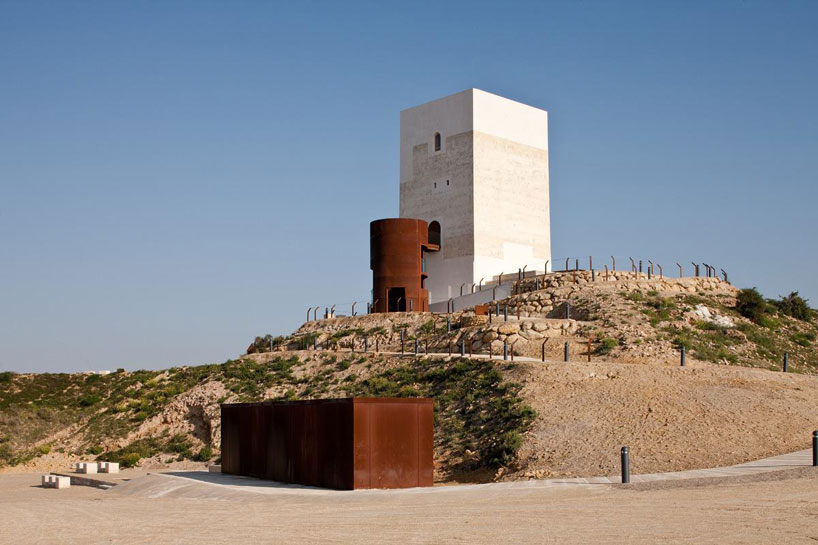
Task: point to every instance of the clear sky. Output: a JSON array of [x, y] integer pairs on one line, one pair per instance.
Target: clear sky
[[179, 177]]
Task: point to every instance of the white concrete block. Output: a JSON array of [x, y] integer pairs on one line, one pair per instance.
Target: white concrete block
[[87, 467], [108, 467], [56, 481]]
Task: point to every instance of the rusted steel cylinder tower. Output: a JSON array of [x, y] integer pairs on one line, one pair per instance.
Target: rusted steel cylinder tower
[[396, 257]]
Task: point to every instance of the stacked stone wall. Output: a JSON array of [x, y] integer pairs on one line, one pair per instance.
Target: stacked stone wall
[[546, 295]]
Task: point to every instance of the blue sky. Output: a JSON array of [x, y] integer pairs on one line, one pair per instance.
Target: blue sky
[[178, 177]]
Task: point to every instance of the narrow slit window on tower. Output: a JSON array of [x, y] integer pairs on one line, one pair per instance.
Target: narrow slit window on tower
[[437, 141]]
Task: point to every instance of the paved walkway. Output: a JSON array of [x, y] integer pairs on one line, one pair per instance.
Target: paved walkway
[[232, 484]]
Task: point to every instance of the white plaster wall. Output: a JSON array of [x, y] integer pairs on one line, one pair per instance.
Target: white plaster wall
[[495, 214]]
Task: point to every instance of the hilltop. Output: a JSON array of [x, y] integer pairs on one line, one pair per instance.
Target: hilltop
[[495, 419]]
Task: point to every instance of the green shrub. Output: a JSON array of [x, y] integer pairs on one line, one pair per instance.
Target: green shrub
[[751, 304], [803, 339], [130, 459], [305, 342], [90, 399], [44, 449], [205, 454], [343, 365], [6, 376], [428, 328], [96, 450], [794, 305], [606, 345]]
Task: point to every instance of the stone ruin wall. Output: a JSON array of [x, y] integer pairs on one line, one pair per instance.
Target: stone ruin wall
[[557, 288]]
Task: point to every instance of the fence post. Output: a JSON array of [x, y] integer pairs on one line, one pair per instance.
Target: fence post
[[815, 448], [377, 344], [315, 343], [512, 350], [402, 334], [786, 361], [661, 274], [417, 346], [308, 313], [505, 350], [606, 273], [448, 325], [566, 352], [470, 343], [589, 349], [462, 347], [626, 466], [543, 351], [352, 344], [353, 307], [366, 345], [505, 313], [426, 344], [683, 356], [633, 265], [450, 348], [680, 269], [411, 300], [567, 310], [613, 262]]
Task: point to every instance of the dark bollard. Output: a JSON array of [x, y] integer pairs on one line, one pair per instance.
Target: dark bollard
[[683, 355], [377, 345], [593, 275], [505, 313], [640, 266], [462, 348], [786, 361], [815, 448], [448, 325], [567, 352], [567, 310], [505, 350], [626, 466], [496, 309]]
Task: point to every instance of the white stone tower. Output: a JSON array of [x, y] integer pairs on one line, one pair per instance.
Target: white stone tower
[[477, 164]]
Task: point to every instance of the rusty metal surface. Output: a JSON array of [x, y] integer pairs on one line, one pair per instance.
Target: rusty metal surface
[[334, 443], [397, 247]]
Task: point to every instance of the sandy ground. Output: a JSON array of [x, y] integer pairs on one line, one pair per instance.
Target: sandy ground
[[672, 418], [774, 508]]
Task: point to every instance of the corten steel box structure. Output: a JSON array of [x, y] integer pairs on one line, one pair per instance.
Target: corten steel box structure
[[332, 443], [396, 257]]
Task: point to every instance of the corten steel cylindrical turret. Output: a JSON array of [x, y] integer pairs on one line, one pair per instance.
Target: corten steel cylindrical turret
[[396, 249]]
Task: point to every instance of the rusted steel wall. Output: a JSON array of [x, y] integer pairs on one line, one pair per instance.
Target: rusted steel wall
[[396, 248], [333, 443]]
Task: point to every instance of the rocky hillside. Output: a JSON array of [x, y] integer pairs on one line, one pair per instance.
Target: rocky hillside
[[494, 418]]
